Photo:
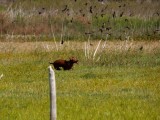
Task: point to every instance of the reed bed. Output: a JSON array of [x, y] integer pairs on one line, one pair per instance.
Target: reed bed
[[117, 20]]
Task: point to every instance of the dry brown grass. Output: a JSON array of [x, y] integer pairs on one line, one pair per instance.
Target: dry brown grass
[[110, 46]]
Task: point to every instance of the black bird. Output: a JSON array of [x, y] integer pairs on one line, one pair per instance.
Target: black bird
[[156, 14], [104, 8], [41, 11], [71, 20], [90, 9], [86, 4], [62, 42], [101, 30], [80, 10], [102, 15], [108, 28], [127, 27], [120, 37], [141, 48], [109, 34], [121, 14], [126, 20], [114, 14], [103, 25], [148, 34], [65, 8], [89, 22], [91, 44], [89, 33], [131, 14], [96, 16], [155, 31]]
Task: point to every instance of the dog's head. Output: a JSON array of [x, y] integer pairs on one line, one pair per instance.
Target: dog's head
[[73, 60]]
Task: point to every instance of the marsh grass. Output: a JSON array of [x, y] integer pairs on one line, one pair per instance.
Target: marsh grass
[[140, 21], [121, 85]]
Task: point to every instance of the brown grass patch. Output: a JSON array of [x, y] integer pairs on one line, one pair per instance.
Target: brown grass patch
[[110, 46]]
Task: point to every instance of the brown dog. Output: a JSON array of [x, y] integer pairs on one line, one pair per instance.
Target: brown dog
[[66, 65]]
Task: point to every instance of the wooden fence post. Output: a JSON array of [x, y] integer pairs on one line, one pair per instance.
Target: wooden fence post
[[52, 83]]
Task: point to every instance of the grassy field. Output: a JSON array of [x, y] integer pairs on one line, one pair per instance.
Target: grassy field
[[121, 82], [118, 48]]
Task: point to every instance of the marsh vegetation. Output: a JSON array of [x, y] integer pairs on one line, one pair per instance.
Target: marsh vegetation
[[117, 45], [70, 20]]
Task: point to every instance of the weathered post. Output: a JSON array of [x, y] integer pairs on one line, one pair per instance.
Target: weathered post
[[52, 83]]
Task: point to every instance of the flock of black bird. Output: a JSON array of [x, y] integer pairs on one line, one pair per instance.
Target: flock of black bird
[[100, 10]]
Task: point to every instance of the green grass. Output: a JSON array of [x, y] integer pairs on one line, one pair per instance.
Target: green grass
[[109, 89]]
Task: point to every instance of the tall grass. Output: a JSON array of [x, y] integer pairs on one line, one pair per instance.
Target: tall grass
[[123, 84]]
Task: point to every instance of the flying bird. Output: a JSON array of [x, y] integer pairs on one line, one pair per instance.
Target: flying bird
[[121, 14], [141, 48], [65, 8], [62, 42], [114, 14], [90, 9]]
